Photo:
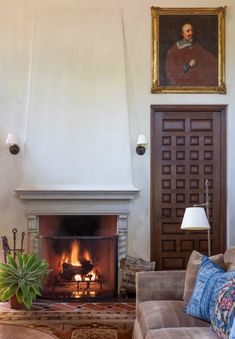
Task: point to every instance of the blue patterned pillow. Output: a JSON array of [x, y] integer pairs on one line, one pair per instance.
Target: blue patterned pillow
[[224, 310], [232, 332], [210, 279]]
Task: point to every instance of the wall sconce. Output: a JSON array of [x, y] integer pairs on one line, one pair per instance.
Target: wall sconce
[[141, 144], [12, 140]]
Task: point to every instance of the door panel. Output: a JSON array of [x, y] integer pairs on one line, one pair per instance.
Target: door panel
[[188, 146]]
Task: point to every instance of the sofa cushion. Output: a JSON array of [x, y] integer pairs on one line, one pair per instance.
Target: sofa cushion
[[181, 333], [223, 318], [229, 259], [192, 270], [209, 281], [157, 314]]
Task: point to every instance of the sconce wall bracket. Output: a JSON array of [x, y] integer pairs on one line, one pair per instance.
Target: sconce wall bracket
[[14, 149], [140, 149]]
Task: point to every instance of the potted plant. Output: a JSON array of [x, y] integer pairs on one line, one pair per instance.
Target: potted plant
[[22, 278]]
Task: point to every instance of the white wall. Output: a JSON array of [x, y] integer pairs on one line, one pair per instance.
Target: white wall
[[20, 104], [77, 101]]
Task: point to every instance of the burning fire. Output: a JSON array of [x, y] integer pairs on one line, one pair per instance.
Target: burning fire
[[73, 259], [77, 270], [73, 256]]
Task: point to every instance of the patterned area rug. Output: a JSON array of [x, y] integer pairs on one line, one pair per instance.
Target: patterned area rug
[[72, 320], [94, 334]]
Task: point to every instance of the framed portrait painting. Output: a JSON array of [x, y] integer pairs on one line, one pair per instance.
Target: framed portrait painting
[[188, 50]]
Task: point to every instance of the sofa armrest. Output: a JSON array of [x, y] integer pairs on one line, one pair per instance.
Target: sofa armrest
[[159, 285]]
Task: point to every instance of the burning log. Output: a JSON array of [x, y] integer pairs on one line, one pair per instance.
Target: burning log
[[69, 270]]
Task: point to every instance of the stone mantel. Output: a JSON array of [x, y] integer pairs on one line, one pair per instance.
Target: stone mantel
[[68, 201], [69, 194]]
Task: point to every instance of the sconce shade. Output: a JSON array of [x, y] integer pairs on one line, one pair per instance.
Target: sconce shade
[[195, 219], [11, 139], [141, 144], [142, 140]]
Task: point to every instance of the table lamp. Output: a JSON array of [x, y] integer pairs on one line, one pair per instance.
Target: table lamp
[[196, 219]]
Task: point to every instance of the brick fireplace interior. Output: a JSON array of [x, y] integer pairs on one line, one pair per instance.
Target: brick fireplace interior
[[82, 252]]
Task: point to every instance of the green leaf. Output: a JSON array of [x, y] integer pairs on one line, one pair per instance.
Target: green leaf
[[10, 270], [38, 266], [7, 276], [9, 280], [23, 288], [11, 261], [3, 267], [32, 293], [8, 293], [25, 258], [27, 301], [19, 295], [20, 261], [36, 289], [31, 261]]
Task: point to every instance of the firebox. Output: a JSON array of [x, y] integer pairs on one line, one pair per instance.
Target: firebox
[[82, 252]]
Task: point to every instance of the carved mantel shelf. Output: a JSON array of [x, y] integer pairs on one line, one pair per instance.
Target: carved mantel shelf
[[69, 194], [76, 201]]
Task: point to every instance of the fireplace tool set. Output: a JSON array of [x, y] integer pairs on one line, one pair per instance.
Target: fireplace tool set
[[14, 250]]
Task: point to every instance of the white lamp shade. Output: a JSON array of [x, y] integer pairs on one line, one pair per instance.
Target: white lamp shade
[[195, 219], [142, 140], [11, 139]]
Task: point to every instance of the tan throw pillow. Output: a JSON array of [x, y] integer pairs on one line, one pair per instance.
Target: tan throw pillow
[[192, 270], [229, 259]]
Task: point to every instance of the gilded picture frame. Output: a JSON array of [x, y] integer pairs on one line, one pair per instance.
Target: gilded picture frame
[[184, 62]]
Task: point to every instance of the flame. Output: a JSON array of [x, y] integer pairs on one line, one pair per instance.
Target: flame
[[75, 254], [86, 255], [72, 258]]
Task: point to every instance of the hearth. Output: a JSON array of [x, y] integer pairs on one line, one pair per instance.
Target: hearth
[[82, 255]]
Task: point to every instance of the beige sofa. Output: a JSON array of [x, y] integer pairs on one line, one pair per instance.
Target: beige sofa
[[161, 297]]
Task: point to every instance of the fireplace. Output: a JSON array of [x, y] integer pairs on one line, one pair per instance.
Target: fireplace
[[85, 222], [82, 255]]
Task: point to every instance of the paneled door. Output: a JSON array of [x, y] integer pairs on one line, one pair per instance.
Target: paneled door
[[188, 147]]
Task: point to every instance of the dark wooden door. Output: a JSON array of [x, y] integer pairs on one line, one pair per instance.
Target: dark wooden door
[[188, 146]]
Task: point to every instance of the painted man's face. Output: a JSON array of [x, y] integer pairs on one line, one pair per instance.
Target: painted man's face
[[187, 32]]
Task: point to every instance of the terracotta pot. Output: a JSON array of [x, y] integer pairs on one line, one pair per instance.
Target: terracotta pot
[[14, 303]]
